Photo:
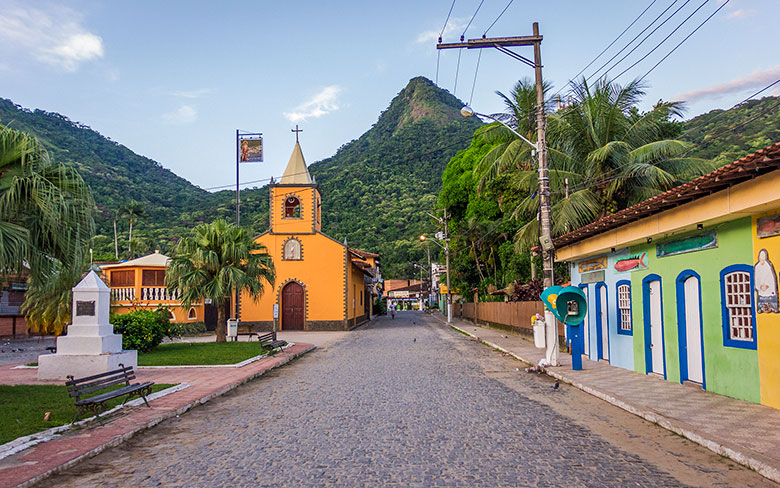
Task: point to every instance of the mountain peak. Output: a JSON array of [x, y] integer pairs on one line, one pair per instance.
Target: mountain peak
[[420, 99]]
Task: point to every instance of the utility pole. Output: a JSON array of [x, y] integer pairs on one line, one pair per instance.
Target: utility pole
[[545, 234], [447, 256]]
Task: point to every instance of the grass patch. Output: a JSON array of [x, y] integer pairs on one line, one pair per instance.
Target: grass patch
[[22, 408], [32, 364], [200, 353]]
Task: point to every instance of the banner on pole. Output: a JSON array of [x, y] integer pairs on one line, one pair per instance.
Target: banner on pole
[[250, 149]]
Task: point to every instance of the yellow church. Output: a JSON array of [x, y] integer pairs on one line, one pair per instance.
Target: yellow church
[[321, 283]]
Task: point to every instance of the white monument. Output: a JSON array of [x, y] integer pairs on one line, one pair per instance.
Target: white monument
[[90, 346]]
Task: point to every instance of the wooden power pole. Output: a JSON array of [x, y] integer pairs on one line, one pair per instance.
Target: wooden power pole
[[545, 234]]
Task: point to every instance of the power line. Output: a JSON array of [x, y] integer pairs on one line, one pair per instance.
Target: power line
[[446, 20], [645, 38], [632, 40], [686, 38], [670, 35], [474, 84], [499, 16], [610, 45], [472, 20]]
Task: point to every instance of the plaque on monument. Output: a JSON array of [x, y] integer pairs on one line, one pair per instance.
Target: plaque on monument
[[85, 308]]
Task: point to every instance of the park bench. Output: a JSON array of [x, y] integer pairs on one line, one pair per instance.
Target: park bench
[[269, 340], [246, 332], [82, 388]]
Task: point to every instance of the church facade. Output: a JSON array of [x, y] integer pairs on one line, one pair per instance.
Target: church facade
[[321, 283]]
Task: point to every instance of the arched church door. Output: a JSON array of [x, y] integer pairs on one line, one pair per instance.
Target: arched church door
[[292, 307]]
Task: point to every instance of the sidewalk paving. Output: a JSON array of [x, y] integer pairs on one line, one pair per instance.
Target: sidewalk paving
[[42, 460], [745, 432]]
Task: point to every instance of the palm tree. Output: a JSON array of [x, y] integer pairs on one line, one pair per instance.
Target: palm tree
[[46, 225], [215, 261], [603, 155], [133, 210], [116, 242]]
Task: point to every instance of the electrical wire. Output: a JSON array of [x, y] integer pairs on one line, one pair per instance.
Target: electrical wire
[[500, 15], [632, 40], [686, 38], [446, 20], [607, 48], [474, 84], [668, 36], [472, 20], [457, 71], [645, 39]]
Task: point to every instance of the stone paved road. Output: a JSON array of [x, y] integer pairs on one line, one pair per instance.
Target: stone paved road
[[380, 408]]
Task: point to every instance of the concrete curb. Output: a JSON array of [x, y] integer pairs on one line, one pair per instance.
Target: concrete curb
[[165, 416], [752, 460]]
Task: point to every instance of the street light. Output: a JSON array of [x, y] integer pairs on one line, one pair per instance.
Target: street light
[[468, 112], [446, 246]]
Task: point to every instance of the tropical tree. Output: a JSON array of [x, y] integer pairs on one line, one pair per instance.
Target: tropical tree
[[216, 261], [133, 210], [603, 155], [46, 223]]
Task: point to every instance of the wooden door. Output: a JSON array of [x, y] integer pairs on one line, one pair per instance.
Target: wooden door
[[656, 328], [603, 319], [292, 307], [693, 350]]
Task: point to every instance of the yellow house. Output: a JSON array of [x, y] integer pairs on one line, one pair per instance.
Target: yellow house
[[321, 284], [140, 284]]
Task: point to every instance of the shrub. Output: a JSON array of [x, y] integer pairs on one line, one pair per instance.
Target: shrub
[[380, 307], [142, 330], [186, 329]]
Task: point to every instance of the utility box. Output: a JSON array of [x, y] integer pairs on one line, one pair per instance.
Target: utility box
[[539, 332], [232, 328]]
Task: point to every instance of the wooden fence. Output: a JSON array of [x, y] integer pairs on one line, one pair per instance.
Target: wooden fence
[[511, 314]]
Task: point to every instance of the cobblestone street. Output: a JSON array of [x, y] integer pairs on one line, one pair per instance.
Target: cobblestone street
[[406, 402]]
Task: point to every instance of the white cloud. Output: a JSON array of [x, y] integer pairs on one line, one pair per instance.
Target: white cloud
[[741, 13], [753, 81], [320, 104], [54, 36], [454, 29], [185, 114], [193, 93]]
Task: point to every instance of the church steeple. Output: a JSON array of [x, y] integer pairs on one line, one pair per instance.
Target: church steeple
[[296, 173], [296, 198]]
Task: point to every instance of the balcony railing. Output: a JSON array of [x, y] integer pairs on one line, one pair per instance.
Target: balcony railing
[[123, 294], [153, 294]]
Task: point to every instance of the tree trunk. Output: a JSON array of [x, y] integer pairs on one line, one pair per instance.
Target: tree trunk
[[533, 267], [116, 243], [221, 322]]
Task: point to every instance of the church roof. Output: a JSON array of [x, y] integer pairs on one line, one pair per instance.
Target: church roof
[[296, 173]]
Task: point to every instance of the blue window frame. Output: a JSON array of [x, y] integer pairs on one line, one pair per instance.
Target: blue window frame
[[737, 308], [624, 311]]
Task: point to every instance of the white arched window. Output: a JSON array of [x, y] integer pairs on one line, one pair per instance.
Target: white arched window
[[292, 250], [192, 314]]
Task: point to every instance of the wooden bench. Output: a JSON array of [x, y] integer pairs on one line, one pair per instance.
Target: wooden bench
[[82, 388], [243, 332], [269, 340]]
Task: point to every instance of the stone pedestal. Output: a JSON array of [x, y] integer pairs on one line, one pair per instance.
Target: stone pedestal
[[90, 346]]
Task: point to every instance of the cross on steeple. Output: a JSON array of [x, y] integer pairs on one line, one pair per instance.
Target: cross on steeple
[[296, 130]]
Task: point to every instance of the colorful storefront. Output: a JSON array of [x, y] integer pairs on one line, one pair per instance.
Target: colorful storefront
[[684, 285]]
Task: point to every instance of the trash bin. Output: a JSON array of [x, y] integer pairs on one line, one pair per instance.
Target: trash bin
[[232, 328], [539, 332]]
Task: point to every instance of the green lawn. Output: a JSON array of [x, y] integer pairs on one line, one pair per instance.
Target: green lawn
[[22, 408], [200, 353]]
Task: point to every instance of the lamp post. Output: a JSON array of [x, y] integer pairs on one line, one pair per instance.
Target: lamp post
[[446, 246], [545, 237], [423, 268]]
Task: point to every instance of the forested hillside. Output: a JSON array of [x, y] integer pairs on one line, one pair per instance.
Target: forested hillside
[[376, 189], [727, 135]]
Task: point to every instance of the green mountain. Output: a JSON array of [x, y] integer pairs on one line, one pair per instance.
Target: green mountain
[[376, 189], [727, 135]]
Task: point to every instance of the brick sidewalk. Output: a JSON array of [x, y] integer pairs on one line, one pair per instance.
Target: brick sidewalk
[[43, 460], [745, 432]]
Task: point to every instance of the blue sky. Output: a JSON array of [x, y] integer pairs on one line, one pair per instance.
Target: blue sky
[[173, 80]]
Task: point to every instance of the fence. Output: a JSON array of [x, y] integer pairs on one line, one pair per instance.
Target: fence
[[516, 315]]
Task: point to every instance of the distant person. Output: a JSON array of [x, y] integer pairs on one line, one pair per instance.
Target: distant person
[[392, 311]]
